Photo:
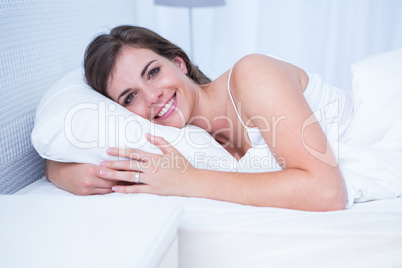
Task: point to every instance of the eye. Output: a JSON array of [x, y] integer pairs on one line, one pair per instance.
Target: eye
[[130, 97], [153, 72]]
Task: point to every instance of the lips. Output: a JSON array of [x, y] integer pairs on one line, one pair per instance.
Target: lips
[[168, 109]]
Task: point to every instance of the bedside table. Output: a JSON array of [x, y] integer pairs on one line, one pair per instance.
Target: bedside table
[[95, 231]]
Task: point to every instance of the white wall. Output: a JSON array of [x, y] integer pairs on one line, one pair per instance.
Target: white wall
[[321, 36]]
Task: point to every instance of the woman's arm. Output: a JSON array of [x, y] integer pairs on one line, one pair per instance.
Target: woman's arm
[[79, 179], [269, 90], [291, 188]]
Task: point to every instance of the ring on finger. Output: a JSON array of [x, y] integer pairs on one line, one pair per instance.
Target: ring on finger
[[137, 177]]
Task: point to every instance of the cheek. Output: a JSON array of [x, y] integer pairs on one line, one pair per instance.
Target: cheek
[[183, 109], [136, 109]]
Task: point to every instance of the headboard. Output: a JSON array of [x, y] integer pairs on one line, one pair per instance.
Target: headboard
[[40, 41]]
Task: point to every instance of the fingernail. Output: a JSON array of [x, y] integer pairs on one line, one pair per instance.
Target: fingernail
[[103, 164], [115, 188], [103, 172], [110, 150]]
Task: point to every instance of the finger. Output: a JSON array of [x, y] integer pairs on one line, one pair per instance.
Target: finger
[[89, 183], [127, 176], [131, 153], [103, 190], [130, 165], [162, 144], [104, 183], [132, 189]]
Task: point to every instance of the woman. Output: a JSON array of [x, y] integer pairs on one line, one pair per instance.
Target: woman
[[156, 80]]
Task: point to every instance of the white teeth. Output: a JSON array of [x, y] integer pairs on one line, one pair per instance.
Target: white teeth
[[166, 108]]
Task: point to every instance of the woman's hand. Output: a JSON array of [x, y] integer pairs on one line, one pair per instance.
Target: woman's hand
[[79, 179], [163, 174]]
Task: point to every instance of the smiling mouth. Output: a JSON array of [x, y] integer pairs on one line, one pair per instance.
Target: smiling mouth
[[166, 111]]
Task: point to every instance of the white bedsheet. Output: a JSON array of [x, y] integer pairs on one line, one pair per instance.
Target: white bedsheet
[[222, 234]]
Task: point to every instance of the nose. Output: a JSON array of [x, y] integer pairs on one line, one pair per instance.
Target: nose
[[153, 96]]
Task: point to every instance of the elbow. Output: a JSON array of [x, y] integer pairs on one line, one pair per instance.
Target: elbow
[[333, 199], [335, 204]]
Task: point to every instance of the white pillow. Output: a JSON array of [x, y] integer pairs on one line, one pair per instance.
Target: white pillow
[[74, 123], [377, 90], [378, 71], [370, 162]]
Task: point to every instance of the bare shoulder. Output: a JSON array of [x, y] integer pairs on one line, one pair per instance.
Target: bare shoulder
[[256, 76], [260, 73], [257, 68]]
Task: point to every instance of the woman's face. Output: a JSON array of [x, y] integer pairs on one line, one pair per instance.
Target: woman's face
[[152, 86]]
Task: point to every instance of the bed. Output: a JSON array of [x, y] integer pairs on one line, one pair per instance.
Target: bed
[[220, 234], [210, 233]]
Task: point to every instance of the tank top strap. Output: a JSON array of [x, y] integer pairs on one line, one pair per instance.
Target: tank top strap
[[231, 98]]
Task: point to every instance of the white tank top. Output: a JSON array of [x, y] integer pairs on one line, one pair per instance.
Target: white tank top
[[332, 107], [369, 140]]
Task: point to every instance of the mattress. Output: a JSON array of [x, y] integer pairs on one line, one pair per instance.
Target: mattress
[[221, 234]]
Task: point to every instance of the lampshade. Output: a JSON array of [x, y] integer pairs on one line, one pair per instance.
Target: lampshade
[[190, 3]]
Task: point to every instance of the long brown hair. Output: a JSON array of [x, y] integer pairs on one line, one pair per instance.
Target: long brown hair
[[102, 52]]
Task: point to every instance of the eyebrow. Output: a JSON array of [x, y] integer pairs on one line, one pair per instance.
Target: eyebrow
[[142, 75], [123, 93], [146, 67]]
